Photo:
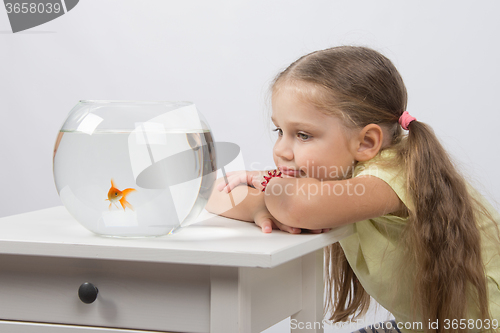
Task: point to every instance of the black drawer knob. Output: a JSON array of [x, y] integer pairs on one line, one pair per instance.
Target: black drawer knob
[[87, 292]]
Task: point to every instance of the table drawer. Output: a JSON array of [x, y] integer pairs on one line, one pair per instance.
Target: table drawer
[[135, 295]]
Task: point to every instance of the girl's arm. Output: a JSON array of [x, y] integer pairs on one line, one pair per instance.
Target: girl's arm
[[244, 203], [234, 178], [240, 203], [313, 204]]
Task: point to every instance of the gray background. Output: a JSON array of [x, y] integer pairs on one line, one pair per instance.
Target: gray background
[[222, 56]]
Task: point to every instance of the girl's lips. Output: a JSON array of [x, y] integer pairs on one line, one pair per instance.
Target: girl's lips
[[289, 172]]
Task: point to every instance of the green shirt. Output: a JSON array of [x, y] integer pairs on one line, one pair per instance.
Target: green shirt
[[374, 257]]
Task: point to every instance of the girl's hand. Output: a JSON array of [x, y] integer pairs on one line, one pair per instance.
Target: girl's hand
[[249, 178], [267, 223]]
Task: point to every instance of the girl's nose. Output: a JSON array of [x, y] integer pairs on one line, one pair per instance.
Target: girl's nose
[[283, 150]]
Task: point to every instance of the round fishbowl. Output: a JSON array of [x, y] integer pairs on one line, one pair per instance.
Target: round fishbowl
[[134, 169]]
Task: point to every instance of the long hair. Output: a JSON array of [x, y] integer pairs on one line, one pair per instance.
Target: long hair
[[441, 240]]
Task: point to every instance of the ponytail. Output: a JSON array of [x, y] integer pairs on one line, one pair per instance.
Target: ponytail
[[447, 252]]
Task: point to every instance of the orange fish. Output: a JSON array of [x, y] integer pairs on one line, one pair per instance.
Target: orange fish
[[115, 195]]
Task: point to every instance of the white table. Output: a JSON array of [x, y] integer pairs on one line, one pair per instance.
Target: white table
[[217, 275]]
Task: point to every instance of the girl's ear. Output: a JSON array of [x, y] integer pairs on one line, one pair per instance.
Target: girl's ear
[[368, 142]]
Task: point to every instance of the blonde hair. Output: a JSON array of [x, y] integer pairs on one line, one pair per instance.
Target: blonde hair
[[441, 239]]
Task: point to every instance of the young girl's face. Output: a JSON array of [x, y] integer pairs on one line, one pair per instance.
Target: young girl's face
[[310, 143]]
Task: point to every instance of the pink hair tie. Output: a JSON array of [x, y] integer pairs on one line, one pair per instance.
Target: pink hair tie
[[405, 120]]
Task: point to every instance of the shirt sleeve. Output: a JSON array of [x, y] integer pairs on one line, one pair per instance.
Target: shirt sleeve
[[393, 176]]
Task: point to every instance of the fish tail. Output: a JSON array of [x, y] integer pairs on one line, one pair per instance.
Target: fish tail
[[127, 191], [125, 203]]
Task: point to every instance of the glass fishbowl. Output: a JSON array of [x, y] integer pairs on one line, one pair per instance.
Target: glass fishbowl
[[134, 169]]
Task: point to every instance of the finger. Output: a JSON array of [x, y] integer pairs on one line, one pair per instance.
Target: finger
[[317, 231], [224, 187], [291, 229], [265, 223], [287, 228], [232, 179], [266, 226], [257, 182], [221, 186], [224, 183], [227, 187], [268, 222], [232, 184]]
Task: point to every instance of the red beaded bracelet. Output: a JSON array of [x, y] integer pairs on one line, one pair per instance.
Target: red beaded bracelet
[[273, 174]]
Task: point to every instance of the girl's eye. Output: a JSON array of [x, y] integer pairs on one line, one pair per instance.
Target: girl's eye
[[279, 130], [303, 136]]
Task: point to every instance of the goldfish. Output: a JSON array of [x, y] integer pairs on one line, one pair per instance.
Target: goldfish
[[115, 195]]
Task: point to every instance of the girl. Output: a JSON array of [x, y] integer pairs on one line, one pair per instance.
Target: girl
[[426, 244]]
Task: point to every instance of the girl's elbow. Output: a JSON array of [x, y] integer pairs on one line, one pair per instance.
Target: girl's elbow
[[299, 214], [213, 208], [288, 211]]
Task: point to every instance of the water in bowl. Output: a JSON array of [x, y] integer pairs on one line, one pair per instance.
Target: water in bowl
[[161, 179]]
